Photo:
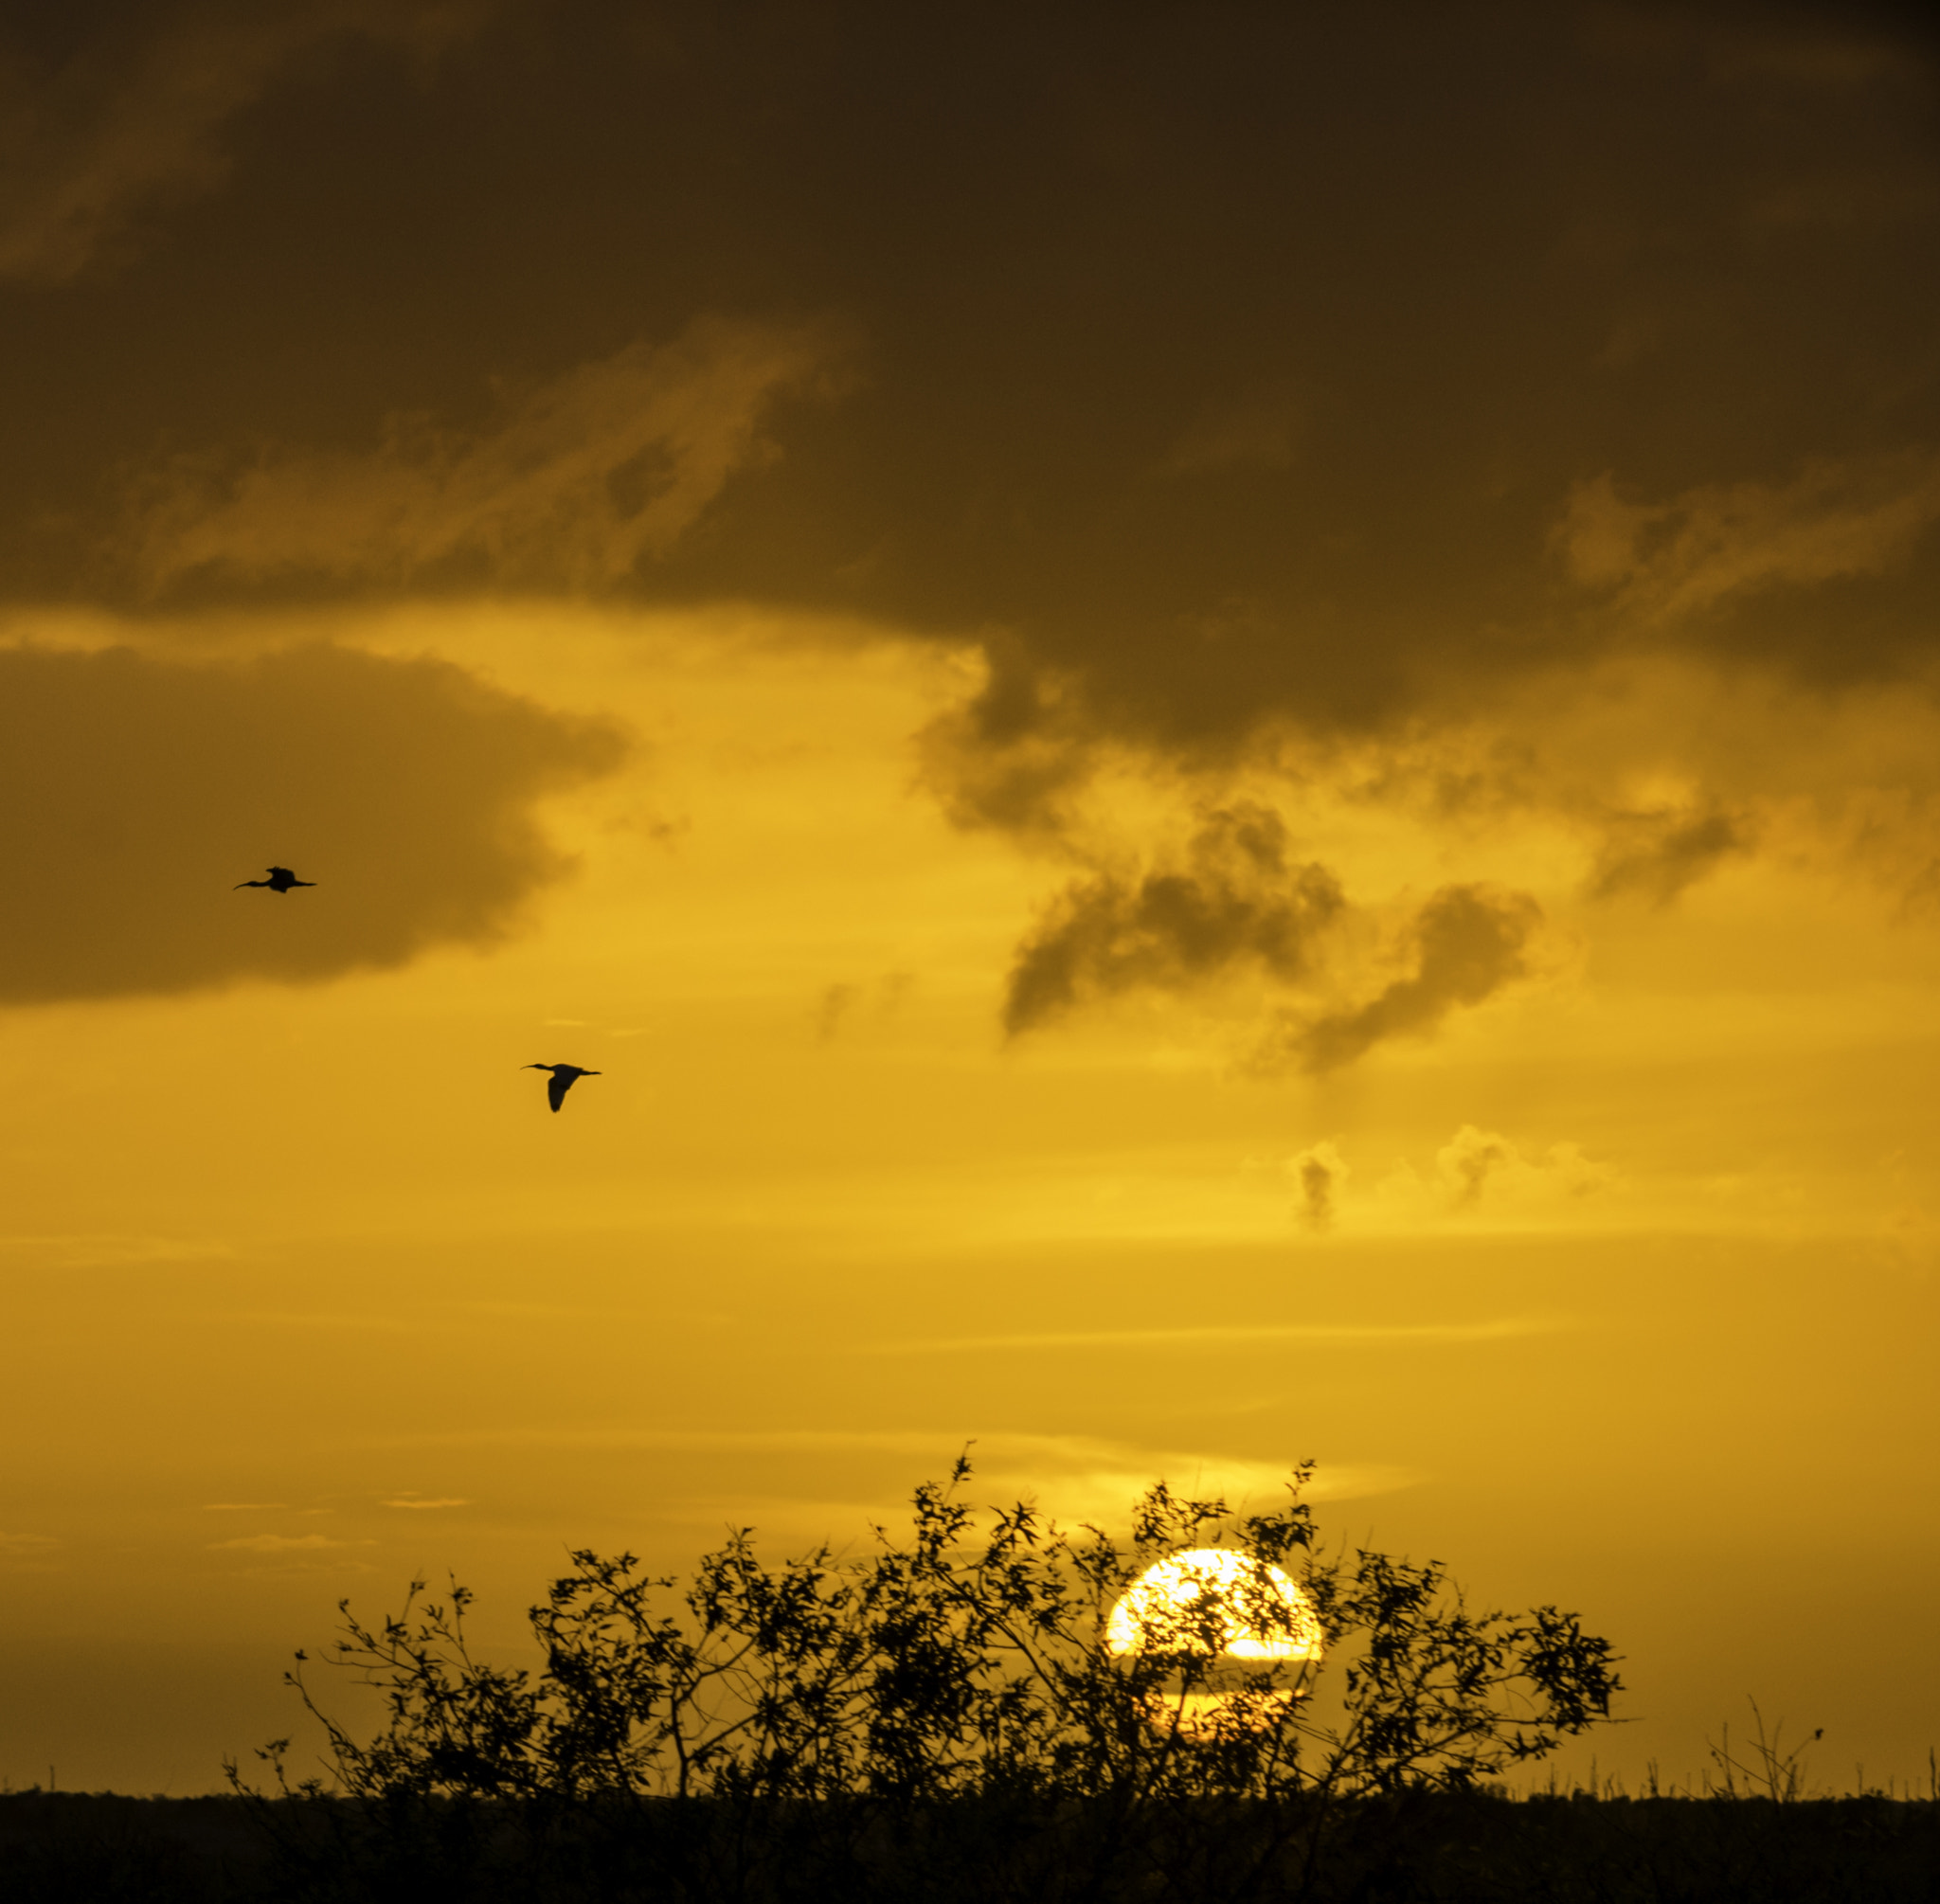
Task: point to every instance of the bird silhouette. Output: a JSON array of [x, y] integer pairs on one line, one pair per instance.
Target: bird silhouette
[[562, 1079], [280, 880]]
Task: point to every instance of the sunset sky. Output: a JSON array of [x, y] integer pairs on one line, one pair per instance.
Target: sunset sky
[[1221, 718]]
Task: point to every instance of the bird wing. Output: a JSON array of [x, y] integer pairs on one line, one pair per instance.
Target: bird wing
[[556, 1088]]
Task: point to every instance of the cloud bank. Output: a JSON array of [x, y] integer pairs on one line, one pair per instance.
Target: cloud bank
[[136, 791]]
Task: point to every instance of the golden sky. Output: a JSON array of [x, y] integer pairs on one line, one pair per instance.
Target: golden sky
[[1221, 721]]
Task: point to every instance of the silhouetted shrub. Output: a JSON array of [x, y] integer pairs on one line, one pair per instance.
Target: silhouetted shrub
[[960, 1689]]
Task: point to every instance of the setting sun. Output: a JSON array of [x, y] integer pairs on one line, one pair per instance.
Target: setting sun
[[1215, 1600]]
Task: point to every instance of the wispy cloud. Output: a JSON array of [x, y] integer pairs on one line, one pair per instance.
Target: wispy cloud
[[1072, 1476], [1837, 517], [1232, 1335], [135, 116], [283, 1543], [389, 1325], [1074, 1480], [580, 479], [448, 1500], [110, 1250], [1258, 427]]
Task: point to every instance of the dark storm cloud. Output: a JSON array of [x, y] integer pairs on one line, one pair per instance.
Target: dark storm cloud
[[1234, 901], [1468, 942], [135, 793], [1228, 370]]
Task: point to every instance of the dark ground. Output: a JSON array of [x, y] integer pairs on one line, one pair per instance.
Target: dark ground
[[103, 1849]]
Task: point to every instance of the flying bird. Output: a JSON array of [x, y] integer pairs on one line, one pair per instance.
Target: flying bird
[[562, 1079], [280, 880]]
